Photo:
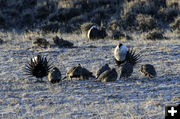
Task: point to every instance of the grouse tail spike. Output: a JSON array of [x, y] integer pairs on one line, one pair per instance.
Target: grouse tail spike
[[38, 67], [133, 57], [64, 78]]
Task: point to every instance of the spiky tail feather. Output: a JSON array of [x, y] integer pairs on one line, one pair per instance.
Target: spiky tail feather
[[39, 61], [64, 78], [132, 57]]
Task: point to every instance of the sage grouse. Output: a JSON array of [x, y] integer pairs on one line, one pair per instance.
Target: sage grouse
[[127, 58], [41, 42], [79, 73], [101, 70], [95, 33], [108, 76], [38, 67], [62, 43], [54, 76], [122, 54], [148, 70]]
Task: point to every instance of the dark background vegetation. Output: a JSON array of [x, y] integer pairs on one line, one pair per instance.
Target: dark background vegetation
[[67, 16]]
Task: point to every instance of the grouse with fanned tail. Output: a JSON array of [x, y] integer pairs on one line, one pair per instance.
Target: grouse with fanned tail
[[38, 67], [127, 58], [123, 54]]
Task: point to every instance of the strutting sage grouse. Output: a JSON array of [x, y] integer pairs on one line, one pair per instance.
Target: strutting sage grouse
[[148, 70], [38, 67], [120, 53], [62, 43], [79, 73], [95, 33], [101, 70], [127, 58], [123, 54], [108, 76], [54, 76]]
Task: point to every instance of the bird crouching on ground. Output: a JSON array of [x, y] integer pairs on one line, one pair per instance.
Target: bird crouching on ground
[[79, 73], [62, 43], [101, 70], [41, 42], [38, 67], [54, 76], [148, 70], [108, 76]]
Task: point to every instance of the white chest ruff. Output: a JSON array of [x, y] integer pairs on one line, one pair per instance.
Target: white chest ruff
[[89, 31], [120, 53]]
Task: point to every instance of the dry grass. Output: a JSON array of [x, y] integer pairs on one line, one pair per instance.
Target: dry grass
[[135, 97]]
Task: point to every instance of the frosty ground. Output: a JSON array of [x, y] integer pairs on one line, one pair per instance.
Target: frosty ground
[[135, 97]]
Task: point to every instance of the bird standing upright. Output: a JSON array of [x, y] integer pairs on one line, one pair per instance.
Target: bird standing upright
[[127, 58], [120, 54], [54, 76]]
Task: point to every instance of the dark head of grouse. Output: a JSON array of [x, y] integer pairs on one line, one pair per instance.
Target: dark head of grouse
[[148, 70], [38, 67], [123, 54]]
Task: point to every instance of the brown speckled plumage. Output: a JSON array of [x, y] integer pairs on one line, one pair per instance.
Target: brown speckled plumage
[[148, 70], [108, 76]]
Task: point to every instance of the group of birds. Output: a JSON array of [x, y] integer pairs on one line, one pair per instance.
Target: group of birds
[[60, 42], [125, 58]]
